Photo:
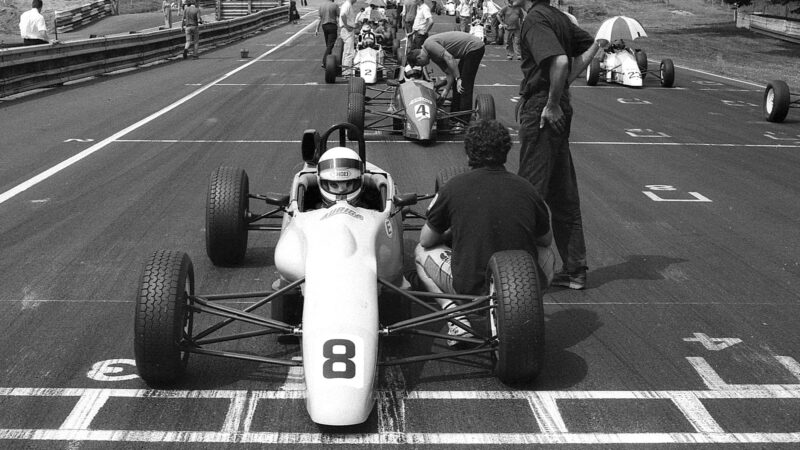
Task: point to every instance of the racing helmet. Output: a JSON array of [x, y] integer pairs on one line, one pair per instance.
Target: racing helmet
[[368, 39], [339, 173]]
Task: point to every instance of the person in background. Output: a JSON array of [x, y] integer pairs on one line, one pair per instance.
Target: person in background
[[192, 18], [483, 211], [328, 17], [423, 22], [347, 27], [511, 20], [554, 51], [32, 27], [294, 15], [408, 14], [444, 49], [464, 11], [166, 5]]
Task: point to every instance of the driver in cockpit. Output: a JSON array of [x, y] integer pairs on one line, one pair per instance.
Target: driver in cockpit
[[340, 176]]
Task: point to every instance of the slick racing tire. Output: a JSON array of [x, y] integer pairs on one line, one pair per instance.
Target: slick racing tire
[[641, 61], [355, 113], [593, 73], [330, 69], [517, 318], [667, 73], [226, 216], [356, 85], [777, 99], [484, 107], [445, 175], [338, 51], [163, 317]]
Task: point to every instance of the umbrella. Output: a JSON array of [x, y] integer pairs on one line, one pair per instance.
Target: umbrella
[[378, 3], [620, 27]]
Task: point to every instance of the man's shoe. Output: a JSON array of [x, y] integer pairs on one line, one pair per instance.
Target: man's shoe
[[455, 330], [574, 280]]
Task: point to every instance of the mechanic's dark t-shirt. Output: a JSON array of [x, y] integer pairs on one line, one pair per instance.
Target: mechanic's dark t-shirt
[[548, 32], [488, 210]]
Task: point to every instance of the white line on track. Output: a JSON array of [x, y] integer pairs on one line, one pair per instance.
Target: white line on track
[[560, 303], [544, 405], [5, 196]]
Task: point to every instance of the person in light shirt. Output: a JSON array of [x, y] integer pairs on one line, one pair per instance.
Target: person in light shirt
[[32, 27]]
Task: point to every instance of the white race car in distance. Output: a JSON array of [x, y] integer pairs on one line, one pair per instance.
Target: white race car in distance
[[626, 66]]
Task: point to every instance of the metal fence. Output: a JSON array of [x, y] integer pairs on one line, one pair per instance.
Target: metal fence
[[38, 66]]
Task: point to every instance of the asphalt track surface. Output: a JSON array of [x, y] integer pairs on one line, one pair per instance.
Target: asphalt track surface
[[687, 333]]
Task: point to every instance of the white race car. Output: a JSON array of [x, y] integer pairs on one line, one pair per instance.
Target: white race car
[[370, 62], [341, 274], [628, 67]]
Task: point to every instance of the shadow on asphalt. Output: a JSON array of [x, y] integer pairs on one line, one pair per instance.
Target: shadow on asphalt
[[636, 267]]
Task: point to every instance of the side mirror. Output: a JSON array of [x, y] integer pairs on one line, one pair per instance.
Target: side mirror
[[401, 200], [309, 146], [281, 200]]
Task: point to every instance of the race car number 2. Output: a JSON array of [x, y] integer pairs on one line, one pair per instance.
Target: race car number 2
[[339, 354]]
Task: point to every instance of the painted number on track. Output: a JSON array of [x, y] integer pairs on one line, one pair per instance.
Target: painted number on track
[[645, 133], [696, 196], [113, 370], [633, 101], [714, 344]]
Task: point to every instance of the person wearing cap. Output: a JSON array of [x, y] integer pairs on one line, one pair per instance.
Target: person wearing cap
[[192, 18], [444, 49]]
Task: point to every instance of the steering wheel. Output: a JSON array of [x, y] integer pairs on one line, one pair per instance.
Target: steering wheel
[[343, 129]]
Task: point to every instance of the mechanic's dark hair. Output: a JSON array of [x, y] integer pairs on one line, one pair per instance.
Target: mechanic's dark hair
[[411, 57], [487, 143], [36, 4]]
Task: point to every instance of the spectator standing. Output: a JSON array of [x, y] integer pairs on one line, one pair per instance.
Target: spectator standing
[[423, 22], [483, 211], [347, 24], [464, 12], [32, 27], [444, 49], [328, 16], [192, 18], [511, 20], [166, 5], [409, 14], [549, 43], [294, 16]]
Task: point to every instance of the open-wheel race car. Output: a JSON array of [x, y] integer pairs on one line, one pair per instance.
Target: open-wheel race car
[[374, 60], [410, 106], [778, 100], [341, 271], [628, 67]]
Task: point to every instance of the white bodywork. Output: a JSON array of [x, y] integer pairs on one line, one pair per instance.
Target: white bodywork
[[620, 67], [341, 251], [369, 61]]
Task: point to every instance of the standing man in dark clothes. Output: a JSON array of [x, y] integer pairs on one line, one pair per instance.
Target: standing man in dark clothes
[[554, 51], [511, 19], [483, 211], [192, 18], [444, 49], [328, 19]]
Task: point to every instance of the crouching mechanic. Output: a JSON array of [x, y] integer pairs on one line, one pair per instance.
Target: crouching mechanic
[[483, 211]]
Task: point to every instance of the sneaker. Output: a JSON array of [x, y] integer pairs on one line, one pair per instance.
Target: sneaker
[[455, 330], [575, 280], [185, 53]]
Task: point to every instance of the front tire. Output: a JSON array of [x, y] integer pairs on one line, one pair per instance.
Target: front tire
[[517, 320], [484, 107], [226, 216], [330, 69], [777, 99], [667, 73], [163, 318], [641, 61], [357, 85]]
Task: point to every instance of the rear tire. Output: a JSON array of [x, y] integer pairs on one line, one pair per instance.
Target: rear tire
[[484, 107], [593, 73], [667, 73], [338, 50], [357, 85], [355, 113], [518, 318], [446, 174], [163, 318], [226, 216], [330, 69], [777, 99]]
